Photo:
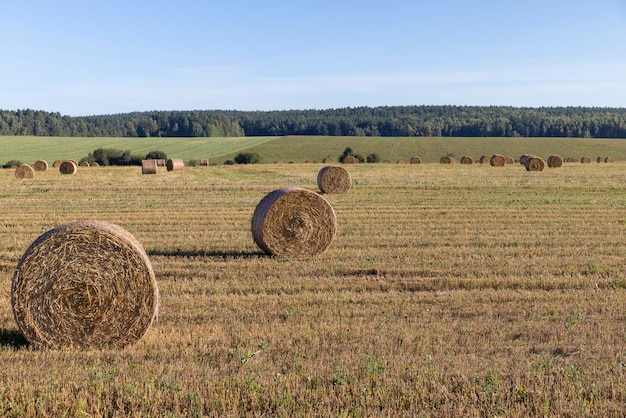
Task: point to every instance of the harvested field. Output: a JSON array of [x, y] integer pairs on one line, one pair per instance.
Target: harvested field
[[448, 291]]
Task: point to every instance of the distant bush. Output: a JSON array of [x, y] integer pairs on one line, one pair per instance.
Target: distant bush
[[373, 158], [12, 163], [247, 158], [348, 152], [229, 162], [193, 163], [156, 155], [110, 156]]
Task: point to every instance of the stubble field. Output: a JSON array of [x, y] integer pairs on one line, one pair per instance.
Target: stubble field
[[448, 291]]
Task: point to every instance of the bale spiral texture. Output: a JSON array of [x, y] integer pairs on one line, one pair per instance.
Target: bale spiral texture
[[24, 171], [174, 164], [415, 160], [85, 284], [555, 161], [334, 179], [68, 167], [148, 166], [293, 222], [534, 163], [40, 165], [497, 160]]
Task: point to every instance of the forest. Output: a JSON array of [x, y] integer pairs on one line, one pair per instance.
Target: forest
[[435, 121]]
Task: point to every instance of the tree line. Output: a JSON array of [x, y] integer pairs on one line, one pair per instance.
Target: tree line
[[464, 121]]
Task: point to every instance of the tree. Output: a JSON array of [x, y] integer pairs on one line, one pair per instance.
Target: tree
[[247, 158], [156, 155]]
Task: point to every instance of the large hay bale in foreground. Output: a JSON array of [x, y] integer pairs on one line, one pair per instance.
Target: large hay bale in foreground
[[174, 164], [86, 284], [415, 160], [68, 167], [40, 165], [555, 161], [497, 160], [24, 171], [148, 166], [534, 163], [334, 179], [293, 222]]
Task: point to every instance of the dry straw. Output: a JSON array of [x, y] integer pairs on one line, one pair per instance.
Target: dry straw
[[497, 160], [84, 164], [204, 162], [40, 165], [328, 160], [555, 161], [466, 160], [57, 163], [86, 284], [534, 163], [148, 166], [415, 160], [351, 160], [293, 222], [175, 164], [609, 160], [68, 167], [585, 160], [24, 171], [333, 179], [484, 159], [446, 159]]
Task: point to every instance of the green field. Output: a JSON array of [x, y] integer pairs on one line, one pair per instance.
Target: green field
[[303, 148], [449, 290]]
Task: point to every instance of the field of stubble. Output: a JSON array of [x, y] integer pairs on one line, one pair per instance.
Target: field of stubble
[[448, 291]]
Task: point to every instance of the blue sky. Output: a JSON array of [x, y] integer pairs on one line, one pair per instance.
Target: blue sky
[[79, 58]]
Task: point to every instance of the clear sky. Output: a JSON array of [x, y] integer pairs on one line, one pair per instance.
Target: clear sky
[[105, 57]]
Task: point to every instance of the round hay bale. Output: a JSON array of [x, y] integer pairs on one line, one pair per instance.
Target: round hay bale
[[95, 164], [509, 160], [600, 159], [386, 161], [84, 164], [523, 158], [534, 163], [484, 159], [328, 160], [293, 222], [446, 159], [68, 167], [148, 166], [204, 162], [24, 171], [497, 160], [334, 179], [85, 284], [57, 163], [174, 164], [609, 160], [555, 161], [466, 160], [585, 160], [415, 160], [40, 165], [350, 160]]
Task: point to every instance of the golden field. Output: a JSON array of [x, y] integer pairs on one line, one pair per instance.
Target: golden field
[[449, 290]]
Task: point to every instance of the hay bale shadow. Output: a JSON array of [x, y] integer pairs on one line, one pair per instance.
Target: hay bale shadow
[[12, 338]]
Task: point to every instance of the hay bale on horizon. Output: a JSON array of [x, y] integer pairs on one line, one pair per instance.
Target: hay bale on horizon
[[57, 163], [534, 163], [555, 161], [293, 222], [148, 166], [328, 160], [68, 167], [84, 164], [24, 171], [85, 284], [175, 164], [415, 160], [447, 159], [334, 179], [40, 165], [350, 160], [497, 160], [484, 159], [585, 160], [466, 160], [204, 162], [609, 160]]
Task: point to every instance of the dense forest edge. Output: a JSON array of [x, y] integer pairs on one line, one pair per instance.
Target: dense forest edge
[[405, 121]]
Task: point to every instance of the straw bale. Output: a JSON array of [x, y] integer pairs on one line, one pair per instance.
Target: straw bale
[[523, 158], [534, 163], [95, 164], [40, 165], [85, 284], [484, 159], [160, 163], [569, 160], [68, 167], [415, 160], [446, 159], [334, 179], [84, 164], [174, 164], [328, 160], [497, 160], [204, 162], [148, 166], [466, 160], [609, 160], [509, 160], [555, 161], [386, 161], [351, 160], [295, 223], [24, 171], [57, 163], [585, 160]]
